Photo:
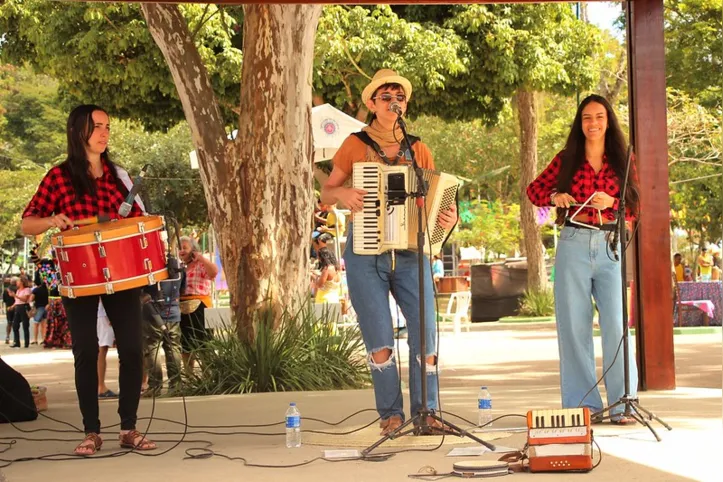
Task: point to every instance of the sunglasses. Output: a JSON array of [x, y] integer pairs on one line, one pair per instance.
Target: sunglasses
[[386, 97]]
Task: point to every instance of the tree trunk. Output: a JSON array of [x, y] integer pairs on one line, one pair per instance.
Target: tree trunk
[[527, 113], [258, 187]]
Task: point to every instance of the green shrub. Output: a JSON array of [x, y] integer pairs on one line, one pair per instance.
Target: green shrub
[[538, 303], [303, 353]]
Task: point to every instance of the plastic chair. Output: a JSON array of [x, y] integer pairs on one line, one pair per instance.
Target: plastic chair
[[457, 310]]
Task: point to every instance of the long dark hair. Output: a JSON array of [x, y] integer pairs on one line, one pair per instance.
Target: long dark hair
[[79, 128], [327, 258], [573, 156]]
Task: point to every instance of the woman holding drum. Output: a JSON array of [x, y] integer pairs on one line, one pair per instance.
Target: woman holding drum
[[88, 184]]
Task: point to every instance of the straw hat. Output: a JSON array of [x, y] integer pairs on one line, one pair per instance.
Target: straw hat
[[386, 76]]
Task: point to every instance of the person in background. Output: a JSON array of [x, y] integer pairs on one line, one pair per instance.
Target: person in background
[[163, 303], [23, 297], [678, 267], [329, 281], [437, 268], [319, 241], [687, 272], [9, 301], [715, 271], [320, 213], [705, 263], [40, 300], [200, 273], [106, 338], [335, 222]]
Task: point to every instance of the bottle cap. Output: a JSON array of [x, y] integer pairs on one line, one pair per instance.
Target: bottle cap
[[292, 404], [483, 388]]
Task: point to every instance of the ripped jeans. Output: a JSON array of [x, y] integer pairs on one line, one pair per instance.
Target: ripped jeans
[[370, 280]]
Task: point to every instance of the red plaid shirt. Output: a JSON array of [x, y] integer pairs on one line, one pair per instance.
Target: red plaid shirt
[[198, 282], [585, 182], [56, 195]]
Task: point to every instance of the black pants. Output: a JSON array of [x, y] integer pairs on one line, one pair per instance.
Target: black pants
[[193, 330], [124, 312], [21, 318]]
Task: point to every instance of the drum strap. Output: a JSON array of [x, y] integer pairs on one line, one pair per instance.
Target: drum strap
[[128, 183]]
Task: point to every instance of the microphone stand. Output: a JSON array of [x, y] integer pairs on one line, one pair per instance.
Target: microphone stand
[[633, 408], [421, 426]]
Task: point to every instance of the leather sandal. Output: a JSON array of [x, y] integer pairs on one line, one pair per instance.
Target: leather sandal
[[85, 448], [623, 420], [436, 427], [390, 424], [128, 441]]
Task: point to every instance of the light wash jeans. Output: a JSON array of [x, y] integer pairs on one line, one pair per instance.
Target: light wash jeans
[[370, 280], [583, 267]]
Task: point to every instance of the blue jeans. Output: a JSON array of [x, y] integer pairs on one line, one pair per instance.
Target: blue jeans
[[584, 270], [370, 279]]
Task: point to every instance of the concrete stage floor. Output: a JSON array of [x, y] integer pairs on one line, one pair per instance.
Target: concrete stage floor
[[517, 362]]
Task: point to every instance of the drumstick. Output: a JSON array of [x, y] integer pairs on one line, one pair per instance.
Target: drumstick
[[102, 218]]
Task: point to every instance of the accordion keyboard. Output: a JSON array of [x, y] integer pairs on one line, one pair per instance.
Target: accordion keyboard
[[367, 228]]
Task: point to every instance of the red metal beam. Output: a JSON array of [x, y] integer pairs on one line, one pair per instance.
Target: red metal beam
[[649, 133]]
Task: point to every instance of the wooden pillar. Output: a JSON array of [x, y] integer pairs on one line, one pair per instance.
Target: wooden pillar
[[646, 50]]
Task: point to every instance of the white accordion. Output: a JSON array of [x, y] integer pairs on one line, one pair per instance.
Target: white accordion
[[388, 219]]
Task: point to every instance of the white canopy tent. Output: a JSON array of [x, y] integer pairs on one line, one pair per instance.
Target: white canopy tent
[[330, 127]]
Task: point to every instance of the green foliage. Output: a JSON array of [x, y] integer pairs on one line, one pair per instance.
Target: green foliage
[[16, 188], [489, 156], [171, 185], [694, 49], [303, 353], [536, 47], [494, 228], [538, 303], [612, 63], [469, 149], [695, 149], [103, 53], [32, 125], [35, 135], [352, 43]]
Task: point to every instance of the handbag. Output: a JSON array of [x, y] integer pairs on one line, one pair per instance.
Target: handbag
[[189, 306]]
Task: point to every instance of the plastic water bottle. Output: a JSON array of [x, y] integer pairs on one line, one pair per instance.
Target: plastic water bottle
[[293, 426], [484, 406]]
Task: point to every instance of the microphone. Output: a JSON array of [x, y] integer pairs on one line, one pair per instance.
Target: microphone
[[125, 208], [396, 108]]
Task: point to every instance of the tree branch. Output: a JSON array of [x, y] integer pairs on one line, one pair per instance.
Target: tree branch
[[351, 59], [109, 22], [203, 21]]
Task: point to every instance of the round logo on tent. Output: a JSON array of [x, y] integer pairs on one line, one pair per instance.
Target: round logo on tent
[[329, 126]]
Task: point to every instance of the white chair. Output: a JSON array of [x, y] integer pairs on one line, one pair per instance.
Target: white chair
[[457, 310]]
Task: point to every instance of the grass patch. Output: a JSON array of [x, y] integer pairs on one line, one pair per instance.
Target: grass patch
[[527, 319], [538, 303], [305, 352]]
